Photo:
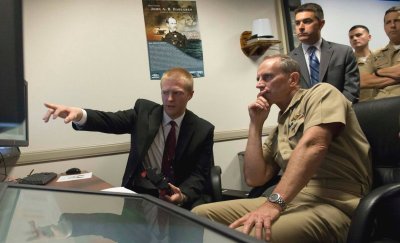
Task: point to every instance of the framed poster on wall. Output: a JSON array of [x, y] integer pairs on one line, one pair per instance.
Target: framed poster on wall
[[173, 37]]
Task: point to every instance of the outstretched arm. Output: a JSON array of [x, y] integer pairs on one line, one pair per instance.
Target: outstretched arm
[[67, 113]]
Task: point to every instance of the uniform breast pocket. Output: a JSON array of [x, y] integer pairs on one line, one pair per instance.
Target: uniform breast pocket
[[381, 62], [296, 127]]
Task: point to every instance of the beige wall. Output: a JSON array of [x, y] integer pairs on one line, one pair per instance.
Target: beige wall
[[93, 53]]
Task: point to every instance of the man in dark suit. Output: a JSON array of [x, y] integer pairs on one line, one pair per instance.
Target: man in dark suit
[[149, 126], [337, 63]]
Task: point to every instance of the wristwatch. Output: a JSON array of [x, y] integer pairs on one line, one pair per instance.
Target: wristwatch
[[277, 198]]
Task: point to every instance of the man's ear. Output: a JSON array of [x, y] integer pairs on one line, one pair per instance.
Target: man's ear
[[294, 78], [322, 23], [191, 94]]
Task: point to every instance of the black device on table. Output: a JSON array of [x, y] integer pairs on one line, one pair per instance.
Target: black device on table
[[41, 178], [73, 171], [158, 180]]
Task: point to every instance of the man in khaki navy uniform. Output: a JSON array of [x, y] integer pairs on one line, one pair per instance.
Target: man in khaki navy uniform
[[380, 76], [321, 150], [359, 38], [173, 37]]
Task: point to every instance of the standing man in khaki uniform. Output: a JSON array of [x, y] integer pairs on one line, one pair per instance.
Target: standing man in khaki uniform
[[322, 151], [381, 73], [359, 38]]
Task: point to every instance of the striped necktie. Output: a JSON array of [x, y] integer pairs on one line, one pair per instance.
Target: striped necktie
[[314, 65], [169, 153]]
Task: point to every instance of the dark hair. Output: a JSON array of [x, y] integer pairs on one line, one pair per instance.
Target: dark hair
[[359, 26], [313, 7], [390, 10]]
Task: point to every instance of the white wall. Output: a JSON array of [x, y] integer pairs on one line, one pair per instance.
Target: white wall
[[93, 53], [341, 15]]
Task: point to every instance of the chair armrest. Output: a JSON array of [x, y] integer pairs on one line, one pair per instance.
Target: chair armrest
[[369, 208], [215, 176]]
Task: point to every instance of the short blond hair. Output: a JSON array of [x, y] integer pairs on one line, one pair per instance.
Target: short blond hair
[[179, 73]]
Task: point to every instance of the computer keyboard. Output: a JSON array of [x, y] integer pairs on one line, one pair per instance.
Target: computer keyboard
[[41, 178]]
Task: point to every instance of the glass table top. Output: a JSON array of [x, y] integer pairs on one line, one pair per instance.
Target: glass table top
[[38, 214]]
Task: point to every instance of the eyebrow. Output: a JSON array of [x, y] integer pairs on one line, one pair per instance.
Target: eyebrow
[[263, 75]]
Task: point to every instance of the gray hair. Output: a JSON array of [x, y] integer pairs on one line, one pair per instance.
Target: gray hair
[[287, 64]]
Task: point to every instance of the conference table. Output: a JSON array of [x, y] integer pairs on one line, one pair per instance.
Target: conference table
[[78, 211], [92, 184]]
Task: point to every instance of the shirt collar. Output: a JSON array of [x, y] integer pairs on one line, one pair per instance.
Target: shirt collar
[[296, 98], [167, 119], [316, 44], [390, 46]]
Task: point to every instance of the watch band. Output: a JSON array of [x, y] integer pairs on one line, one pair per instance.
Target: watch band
[[277, 199]]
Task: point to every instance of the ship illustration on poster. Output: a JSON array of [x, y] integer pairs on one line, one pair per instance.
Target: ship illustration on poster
[[173, 37]]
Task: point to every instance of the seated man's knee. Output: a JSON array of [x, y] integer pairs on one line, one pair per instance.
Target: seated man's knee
[[200, 210]]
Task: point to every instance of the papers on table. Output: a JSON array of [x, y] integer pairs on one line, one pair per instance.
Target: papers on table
[[75, 177], [119, 189]]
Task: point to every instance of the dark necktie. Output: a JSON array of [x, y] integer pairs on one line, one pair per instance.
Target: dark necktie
[[169, 153], [314, 66]]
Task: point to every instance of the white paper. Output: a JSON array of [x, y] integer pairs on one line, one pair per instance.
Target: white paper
[[75, 177], [119, 189]]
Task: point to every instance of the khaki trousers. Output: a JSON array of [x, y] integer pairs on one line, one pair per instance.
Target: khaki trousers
[[308, 218]]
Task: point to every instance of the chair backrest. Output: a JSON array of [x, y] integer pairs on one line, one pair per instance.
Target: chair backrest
[[377, 217], [380, 122]]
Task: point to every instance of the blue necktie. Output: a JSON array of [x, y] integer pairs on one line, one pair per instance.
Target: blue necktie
[[314, 66]]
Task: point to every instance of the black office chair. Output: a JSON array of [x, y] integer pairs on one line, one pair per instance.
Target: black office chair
[[258, 191], [215, 181], [213, 188], [377, 217]]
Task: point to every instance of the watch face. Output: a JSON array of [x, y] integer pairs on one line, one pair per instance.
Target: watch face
[[274, 197]]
